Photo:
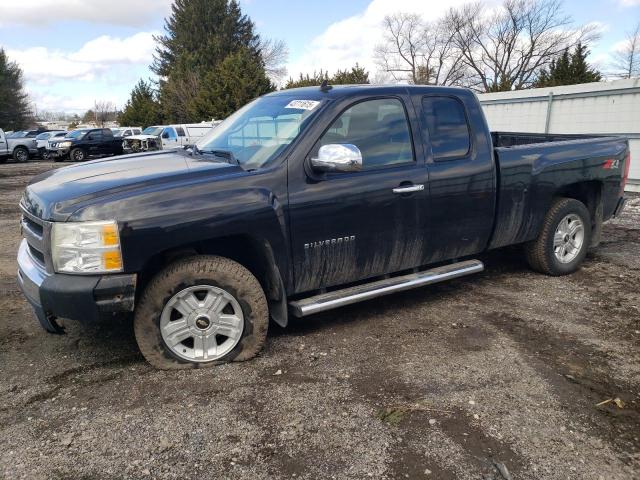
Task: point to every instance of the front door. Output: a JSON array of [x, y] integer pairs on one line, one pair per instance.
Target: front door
[[351, 226], [94, 142], [169, 138]]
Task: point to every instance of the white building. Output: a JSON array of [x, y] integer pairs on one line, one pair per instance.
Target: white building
[[594, 108]]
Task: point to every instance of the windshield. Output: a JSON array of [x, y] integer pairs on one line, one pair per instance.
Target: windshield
[[43, 136], [153, 131], [19, 134], [77, 134], [117, 131], [261, 130]]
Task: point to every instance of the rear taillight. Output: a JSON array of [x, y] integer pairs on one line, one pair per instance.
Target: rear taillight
[[625, 175]]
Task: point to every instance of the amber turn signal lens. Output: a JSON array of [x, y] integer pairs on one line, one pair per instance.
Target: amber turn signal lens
[[112, 260], [110, 235]]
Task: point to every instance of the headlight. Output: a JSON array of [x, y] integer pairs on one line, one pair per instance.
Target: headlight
[[64, 144], [86, 247]]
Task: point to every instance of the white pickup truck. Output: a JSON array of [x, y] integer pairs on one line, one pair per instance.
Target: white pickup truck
[[19, 145], [166, 137]]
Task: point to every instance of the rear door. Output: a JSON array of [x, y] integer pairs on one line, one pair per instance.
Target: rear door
[[461, 176], [351, 226], [182, 136]]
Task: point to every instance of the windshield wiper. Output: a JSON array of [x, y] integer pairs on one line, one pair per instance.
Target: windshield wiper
[[226, 154]]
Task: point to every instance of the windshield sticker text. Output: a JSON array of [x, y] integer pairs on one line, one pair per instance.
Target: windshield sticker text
[[303, 104]]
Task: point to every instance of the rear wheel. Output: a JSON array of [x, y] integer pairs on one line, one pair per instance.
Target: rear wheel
[[562, 243], [200, 312], [20, 154]]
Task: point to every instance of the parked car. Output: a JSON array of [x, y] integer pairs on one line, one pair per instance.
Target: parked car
[[123, 132], [19, 145], [302, 201], [162, 137], [79, 145], [42, 140]]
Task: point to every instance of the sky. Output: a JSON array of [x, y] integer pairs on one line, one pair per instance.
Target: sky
[[76, 52]]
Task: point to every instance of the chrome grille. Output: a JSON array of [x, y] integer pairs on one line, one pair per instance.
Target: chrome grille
[[37, 232]]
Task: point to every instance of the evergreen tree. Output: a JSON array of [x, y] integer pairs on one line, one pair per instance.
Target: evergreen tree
[[89, 116], [143, 108], [239, 79], [200, 36], [357, 75], [307, 80], [569, 69], [14, 103]]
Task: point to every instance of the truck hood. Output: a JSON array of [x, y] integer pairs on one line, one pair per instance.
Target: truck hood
[[56, 194]]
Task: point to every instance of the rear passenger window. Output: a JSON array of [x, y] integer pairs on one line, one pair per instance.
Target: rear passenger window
[[180, 131], [379, 129], [447, 127]]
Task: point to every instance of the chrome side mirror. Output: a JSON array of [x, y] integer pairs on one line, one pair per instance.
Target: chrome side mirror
[[338, 157]]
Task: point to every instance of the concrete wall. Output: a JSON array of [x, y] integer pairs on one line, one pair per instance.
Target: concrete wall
[[596, 108]]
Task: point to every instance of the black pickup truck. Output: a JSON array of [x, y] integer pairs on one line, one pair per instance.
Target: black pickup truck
[[80, 144], [302, 201]]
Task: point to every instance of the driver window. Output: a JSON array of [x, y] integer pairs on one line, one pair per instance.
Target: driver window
[[380, 130]]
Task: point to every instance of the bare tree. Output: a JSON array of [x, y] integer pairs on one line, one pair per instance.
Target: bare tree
[[274, 54], [626, 61], [104, 112], [418, 51], [506, 49]]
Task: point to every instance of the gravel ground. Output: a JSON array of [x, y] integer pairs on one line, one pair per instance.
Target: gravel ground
[[493, 376]]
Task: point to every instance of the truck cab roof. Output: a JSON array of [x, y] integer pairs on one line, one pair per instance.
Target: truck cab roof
[[344, 91]]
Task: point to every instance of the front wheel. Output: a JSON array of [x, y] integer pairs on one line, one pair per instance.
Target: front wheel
[[562, 243], [199, 312], [77, 155]]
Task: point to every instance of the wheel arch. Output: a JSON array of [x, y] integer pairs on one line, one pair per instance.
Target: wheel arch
[[253, 253], [590, 194]]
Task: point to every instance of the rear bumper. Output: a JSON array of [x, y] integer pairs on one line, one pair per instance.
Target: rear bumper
[[85, 298], [622, 201]]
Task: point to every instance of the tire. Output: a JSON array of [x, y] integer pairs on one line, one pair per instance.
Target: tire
[[218, 274], [78, 155], [46, 156], [21, 154], [564, 239]]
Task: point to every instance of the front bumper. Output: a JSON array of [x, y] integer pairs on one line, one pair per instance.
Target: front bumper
[[58, 152], [85, 298]]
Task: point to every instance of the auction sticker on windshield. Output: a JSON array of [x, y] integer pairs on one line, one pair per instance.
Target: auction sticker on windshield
[[303, 104]]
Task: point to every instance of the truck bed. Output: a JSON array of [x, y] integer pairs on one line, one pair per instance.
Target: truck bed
[[533, 167], [512, 139]]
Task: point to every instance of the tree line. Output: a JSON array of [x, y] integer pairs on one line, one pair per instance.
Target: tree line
[[210, 60]]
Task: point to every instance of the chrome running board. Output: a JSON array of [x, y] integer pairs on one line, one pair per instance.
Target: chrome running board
[[347, 296]]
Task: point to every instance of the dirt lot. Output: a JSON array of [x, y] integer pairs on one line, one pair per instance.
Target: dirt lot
[[489, 377]]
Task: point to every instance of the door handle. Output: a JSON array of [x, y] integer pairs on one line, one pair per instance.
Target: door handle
[[409, 189]]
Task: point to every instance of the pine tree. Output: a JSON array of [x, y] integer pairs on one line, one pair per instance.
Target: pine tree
[[239, 79], [200, 36], [569, 69], [15, 113], [143, 108], [307, 80], [357, 75]]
